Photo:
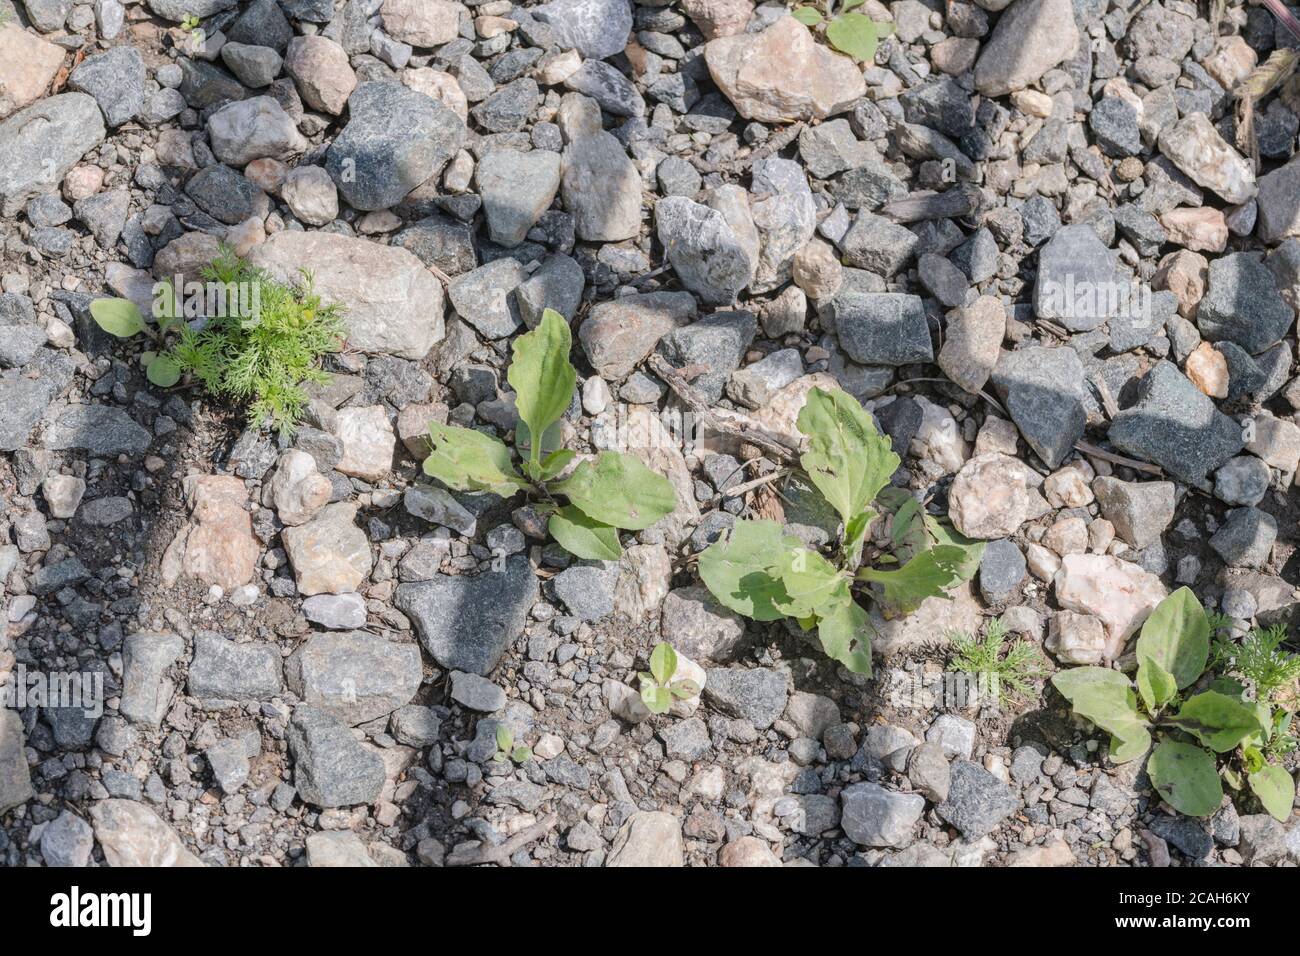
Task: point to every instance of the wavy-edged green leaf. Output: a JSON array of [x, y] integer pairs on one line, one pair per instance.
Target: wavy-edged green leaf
[[505, 737], [658, 700], [118, 317], [946, 536], [845, 634], [808, 16], [928, 574], [1177, 637], [468, 460], [855, 34], [584, 537], [810, 581], [847, 459], [164, 371], [1217, 720], [555, 462], [741, 573], [1275, 789], [618, 490], [1106, 698], [1186, 778], [542, 375]]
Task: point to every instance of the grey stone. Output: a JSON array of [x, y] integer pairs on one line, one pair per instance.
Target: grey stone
[[717, 342], [101, 430], [115, 78], [601, 188], [704, 250], [254, 128], [22, 403], [1246, 538], [476, 693], [483, 297], [225, 671], [1243, 480], [615, 93], [1002, 568], [508, 109], [67, 840], [223, 194], [21, 334], [395, 139], [870, 815], [228, 760], [356, 676], [255, 66], [516, 189], [977, 801], [15, 778], [879, 328], [331, 768], [1044, 393], [784, 214], [1077, 275], [146, 688], [619, 334], [1263, 840], [587, 590], [754, 694], [1175, 425], [335, 612], [39, 144], [595, 28], [1242, 304], [1140, 511], [557, 284], [878, 245], [699, 627], [1114, 124], [831, 148], [415, 726], [686, 739], [467, 621], [929, 772]]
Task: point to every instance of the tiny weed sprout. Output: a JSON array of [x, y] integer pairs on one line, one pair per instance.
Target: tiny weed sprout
[[1225, 732], [263, 357], [766, 574], [1005, 671], [613, 491], [658, 689], [853, 34], [507, 749]]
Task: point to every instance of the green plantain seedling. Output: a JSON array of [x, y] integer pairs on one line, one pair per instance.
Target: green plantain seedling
[[507, 749], [1196, 731], [611, 492], [854, 34], [658, 689], [261, 346], [766, 574]]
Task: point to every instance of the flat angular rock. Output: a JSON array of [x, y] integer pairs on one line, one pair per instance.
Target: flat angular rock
[[620, 334], [615, 93], [131, 834], [717, 342], [1176, 426], [355, 676], [601, 188], [331, 768], [467, 621], [595, 28], [483, 297], [115, 78], [1120, 593], [878, 245], [395, 139], [870, 815], [1079, 281], [785, 216], [1045, 395], [67, 841], [783, 75], [881, 328], [977, 801], [1279, 203], [15, 778], [393, 304], [1139, 510], [225, 671], [1196, 148], [422, 23], [704, 250], [146, 690], [1030, 38], [1246, 538], [648, 839], [516, 189], [39, 144], [329, 554], [754, 694], [27, 65], [255, 128], [1242, 304]]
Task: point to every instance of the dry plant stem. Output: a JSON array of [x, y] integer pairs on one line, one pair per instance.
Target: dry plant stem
[[683, 389], [1284, 16], [1089, 449], [775, 144], [500, 855]]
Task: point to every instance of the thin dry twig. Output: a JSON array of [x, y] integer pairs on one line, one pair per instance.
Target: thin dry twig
[[500, 855], [777, 142], [1090, 449]]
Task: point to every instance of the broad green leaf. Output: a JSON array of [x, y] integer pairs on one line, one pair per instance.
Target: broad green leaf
[[1186, 778], [1252, 758], [855, 536], [663, 663], [555, 462], [117, 317], [164, 371], [740, 571], [845, 633], [1275, 789], [521, 754], [542, 375], [1177, 637], [926, 575], [945, 536], [584, 537], [907, 524], [810, 581], [468, 460], [847, 459], [1155, 684], [1106, 698], [657, 699], [618, 490], [505, 738], [848, 5], [855, 34], [684, 689], [1216, 720], [808, 16]]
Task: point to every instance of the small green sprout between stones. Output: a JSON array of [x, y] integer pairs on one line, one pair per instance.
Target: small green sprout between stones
[[658, 689]]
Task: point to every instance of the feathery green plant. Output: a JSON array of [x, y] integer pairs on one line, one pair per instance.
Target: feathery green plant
[[1004, 668]]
